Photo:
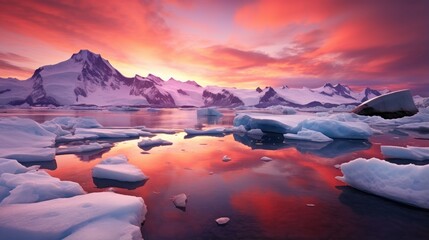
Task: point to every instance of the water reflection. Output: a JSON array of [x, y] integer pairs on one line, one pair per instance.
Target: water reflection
[[332, 149], [49, 165], [105, 183]]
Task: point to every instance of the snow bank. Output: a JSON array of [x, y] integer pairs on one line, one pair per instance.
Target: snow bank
[[148, 144], [103, 215], [212, 131], [118, 168], [409, 152], [403, 183], [36, 186], [73, 122], [208, 112], [83, 148], [110, 132], [308, 135]]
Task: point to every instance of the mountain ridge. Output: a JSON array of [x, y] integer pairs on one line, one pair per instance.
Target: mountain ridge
[[87, 78]]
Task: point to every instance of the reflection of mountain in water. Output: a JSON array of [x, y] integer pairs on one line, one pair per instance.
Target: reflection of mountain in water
[[332, 149]]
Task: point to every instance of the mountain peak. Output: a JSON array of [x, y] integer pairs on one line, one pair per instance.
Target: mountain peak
[[84, 54]]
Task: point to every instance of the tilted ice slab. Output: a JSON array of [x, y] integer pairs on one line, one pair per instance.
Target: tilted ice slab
[[208, 112], [147, 144], [29, 154], [83, 148], [118, 168], [409, 152], [110, 132], [212, 131], [403, 183], [36, 186], [76, 122], [332, 127], [18, 132], [308, 135], [105, 215]]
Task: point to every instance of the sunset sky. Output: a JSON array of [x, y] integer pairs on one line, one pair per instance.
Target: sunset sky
[[242, 43]]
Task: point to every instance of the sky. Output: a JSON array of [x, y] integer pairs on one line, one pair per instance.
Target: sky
[[382, 44]]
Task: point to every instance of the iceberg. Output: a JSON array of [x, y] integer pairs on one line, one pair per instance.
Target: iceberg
[[105, 215], [409, 152], [403, 183], [208, 112], [83, 148], [118, 168], [76, 122], [268, 122], [308, 135], [390, 105], [149, 143], [36, 186], [337, 129]]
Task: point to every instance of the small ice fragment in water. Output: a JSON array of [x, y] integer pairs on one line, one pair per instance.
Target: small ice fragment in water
[[211, 173], [222, 220], [310, 205], [226, 158], [266, 159], [180, 200], [337, 166]]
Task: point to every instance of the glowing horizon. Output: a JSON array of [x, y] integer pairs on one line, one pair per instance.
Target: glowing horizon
[[244, 43]]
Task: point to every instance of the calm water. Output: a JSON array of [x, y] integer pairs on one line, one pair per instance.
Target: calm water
[[263, 200]]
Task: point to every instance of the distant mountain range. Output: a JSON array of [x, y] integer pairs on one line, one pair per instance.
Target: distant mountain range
[[87, 78]]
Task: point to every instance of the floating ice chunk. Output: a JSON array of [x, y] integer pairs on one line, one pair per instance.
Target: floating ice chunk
[[269, 122], [83, 148], [76, 137], [222, 220], [421, 126], [29, 154], [409, 152], [266, 159], [226, 158], [180, 200], [54, 128], [310, 205], [36, 186], [106, 215], [403, 183], [158, 130], [337, 129], [212, 131], [110, 132], [308, 135], [148, 144], [73, 122], [18, 132], [11, 166], [208, 112], [118, 168]]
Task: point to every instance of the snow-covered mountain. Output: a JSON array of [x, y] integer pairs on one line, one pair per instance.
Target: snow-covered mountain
[[87, 78]]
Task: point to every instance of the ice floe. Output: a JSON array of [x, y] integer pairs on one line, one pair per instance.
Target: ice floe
[[83, 148], [222, 220], [147, 144], [110, 132], [54, 128], [158, 130], [409, 152], [105, 215], [337, 129], [28, 154], [403, 183], [36, 186], [180, 200], [212, 131], [11, 166], [118, 168], [76, 122], [308, 135]]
